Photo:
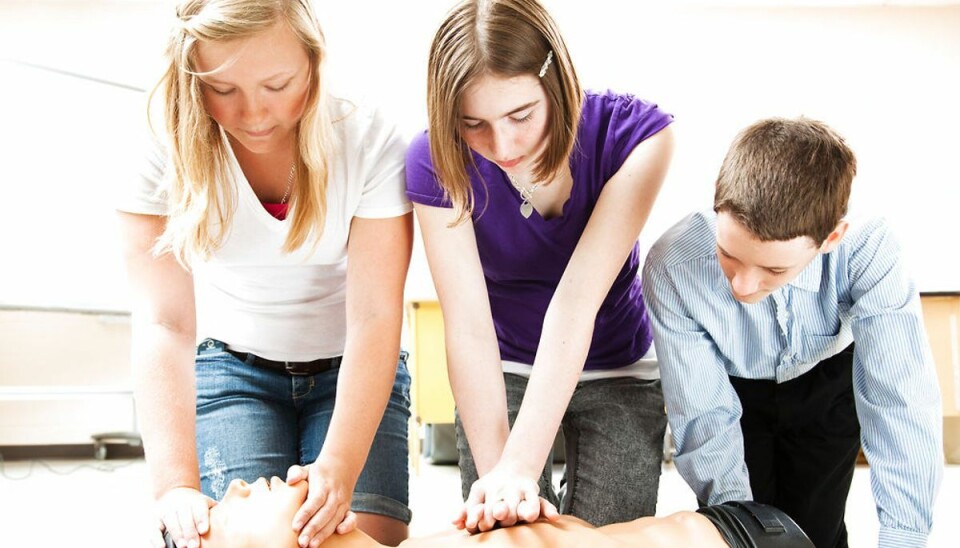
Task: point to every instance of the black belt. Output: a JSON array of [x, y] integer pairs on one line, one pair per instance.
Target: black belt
[[744, 524], [293, 368]]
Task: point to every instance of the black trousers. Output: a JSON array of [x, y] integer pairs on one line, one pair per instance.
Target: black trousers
[[801, 440]]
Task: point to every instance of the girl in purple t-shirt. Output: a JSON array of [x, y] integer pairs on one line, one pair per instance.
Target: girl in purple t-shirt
[[530, 196]]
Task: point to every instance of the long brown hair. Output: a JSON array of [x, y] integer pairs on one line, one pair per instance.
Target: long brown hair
[[505, 38]]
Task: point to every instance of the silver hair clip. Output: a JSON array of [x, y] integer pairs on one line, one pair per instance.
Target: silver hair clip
[[546, 64]]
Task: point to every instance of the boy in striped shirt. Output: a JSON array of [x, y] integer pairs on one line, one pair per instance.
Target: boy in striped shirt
[[755, 308]]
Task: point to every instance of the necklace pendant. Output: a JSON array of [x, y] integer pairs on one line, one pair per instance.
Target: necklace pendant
[[526, 209]]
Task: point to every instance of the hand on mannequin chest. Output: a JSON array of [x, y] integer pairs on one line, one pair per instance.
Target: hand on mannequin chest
[[259, 515]]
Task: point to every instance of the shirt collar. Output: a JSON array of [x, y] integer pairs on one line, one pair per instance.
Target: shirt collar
[[808, 279]]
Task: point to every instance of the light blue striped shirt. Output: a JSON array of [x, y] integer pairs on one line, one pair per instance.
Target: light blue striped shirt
[[857, 292]]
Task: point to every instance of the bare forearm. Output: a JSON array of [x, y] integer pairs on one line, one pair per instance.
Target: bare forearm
[[363, 389], [473, 355], [165, 394], [379, 252], [476, 379], [563, 348]]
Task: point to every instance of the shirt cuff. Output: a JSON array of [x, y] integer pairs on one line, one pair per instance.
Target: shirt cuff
[[901, 538], [729, 496]]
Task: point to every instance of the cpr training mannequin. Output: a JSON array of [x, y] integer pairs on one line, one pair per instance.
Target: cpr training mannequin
[[258, 515]]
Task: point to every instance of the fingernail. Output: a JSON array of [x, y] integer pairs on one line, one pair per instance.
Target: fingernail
[[303, 540], [194, 543]]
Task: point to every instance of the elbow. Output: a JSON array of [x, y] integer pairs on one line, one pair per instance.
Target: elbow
[[152, 327]]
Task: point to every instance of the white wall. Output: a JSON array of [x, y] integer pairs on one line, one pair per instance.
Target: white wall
[[886, 77]]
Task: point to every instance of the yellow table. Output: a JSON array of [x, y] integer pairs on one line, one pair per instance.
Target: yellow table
[[941, 315], [431, 398]]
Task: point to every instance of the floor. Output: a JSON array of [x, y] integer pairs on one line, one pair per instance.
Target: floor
[[106, 504]]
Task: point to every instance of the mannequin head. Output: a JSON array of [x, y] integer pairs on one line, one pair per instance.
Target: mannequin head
[[255, 515]]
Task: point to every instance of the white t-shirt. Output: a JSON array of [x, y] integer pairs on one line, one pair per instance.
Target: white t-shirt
[[290, 307]]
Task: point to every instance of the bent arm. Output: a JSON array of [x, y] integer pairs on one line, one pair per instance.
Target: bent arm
[[473, 355], [614, 226], [163, 339], [378, 254]]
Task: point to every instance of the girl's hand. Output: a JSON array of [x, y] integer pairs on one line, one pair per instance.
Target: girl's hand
[[327, 508], [503, 498], [185, 513]]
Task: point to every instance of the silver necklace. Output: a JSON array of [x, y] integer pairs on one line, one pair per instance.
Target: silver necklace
[[286, 193], [526, 194]]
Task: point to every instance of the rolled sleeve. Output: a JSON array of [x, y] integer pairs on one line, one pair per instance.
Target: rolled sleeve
[[422, 184], [146, 193], [383, 153]]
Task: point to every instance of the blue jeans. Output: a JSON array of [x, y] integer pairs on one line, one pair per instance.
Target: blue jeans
[[254, 422]]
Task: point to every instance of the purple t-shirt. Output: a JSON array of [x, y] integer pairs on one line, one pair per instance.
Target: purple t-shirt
[[524, 259]]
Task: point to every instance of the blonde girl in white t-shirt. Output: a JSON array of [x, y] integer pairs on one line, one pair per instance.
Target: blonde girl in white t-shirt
[[267, 240]]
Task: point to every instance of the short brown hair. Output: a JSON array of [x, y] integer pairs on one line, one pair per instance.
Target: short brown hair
[[784, 178], [504, 38]]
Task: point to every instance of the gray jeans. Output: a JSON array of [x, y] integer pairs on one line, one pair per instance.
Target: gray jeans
[[613, 431]]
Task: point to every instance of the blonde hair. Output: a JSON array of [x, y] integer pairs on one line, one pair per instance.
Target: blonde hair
[[199, 192], [783, 179], [504, 38]]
